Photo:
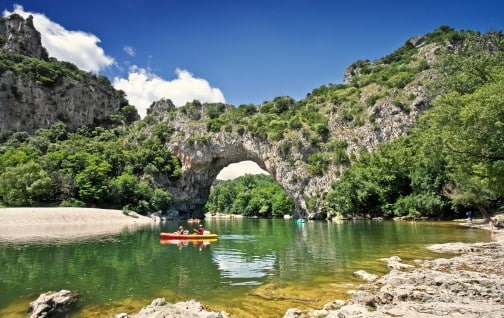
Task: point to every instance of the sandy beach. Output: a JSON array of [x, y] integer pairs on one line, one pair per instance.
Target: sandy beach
[[29, 224]]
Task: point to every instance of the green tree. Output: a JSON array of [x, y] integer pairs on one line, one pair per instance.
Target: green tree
[[250, 195], [93, 180], [26, 184]]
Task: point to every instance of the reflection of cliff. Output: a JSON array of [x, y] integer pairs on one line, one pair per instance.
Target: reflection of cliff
[[314, 243]]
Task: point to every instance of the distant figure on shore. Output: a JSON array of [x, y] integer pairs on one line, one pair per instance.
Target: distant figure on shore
[[495, 224], [470, 216]]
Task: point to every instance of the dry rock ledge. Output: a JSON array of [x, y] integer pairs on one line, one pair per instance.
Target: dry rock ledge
[[468, 285]]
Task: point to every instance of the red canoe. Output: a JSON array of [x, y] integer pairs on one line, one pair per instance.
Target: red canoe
[[176, 236]]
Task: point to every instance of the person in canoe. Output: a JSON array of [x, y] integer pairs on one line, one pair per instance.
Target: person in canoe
[[201, 229], [181, 230]]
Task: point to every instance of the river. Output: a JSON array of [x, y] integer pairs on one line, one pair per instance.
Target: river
[[256, 268]]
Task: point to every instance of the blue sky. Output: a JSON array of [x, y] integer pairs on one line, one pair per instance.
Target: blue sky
[[240, 52], [236, 51]]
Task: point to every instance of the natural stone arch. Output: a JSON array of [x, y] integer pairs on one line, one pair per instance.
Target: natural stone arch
[[203, 155], [203, 152], [201, 163]]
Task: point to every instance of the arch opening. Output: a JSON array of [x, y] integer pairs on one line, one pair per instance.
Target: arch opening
[[244, 188], [238, 169]]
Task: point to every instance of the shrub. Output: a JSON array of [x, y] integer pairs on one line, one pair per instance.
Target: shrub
[[215, 110], [214, 125], [400, 80], [317, 163], [371, 100], [72, 202]]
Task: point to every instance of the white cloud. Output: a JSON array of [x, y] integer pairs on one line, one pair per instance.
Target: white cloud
[[77, 47], [239, 169], [142, 88], [129, 50]]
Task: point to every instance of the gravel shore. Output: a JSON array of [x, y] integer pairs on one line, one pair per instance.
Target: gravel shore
[[29, 224]]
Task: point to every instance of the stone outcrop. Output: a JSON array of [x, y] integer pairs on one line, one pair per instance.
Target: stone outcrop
[[21, 37], [73, 97], [386, 114], [52, 304], [160, 308]]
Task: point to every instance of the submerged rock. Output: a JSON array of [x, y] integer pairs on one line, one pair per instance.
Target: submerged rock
[[54, 303], [365, 275]]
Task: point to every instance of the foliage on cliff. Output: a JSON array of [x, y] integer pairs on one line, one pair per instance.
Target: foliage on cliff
[[37, 91], [250, 195], [453, 159], [439, 166]]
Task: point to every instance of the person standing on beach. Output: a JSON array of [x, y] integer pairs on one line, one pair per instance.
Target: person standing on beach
[[470, 216]]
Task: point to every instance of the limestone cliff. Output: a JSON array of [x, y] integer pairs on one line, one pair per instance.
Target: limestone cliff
[[203, 154], [37, 91]]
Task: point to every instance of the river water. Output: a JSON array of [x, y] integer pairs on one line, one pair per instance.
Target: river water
[[257, 267]]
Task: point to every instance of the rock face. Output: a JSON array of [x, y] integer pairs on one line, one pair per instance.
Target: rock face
[[21, 37], [72, 96], [52, 304], [385, 113]]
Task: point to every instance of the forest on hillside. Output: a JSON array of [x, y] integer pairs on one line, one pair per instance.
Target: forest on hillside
[[451, 161]]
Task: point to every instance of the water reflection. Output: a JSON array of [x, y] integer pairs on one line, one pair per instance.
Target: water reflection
[[242, 269], [200, 244], [287, 261]]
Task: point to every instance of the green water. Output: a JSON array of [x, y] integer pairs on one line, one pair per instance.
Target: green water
[[257, 268]]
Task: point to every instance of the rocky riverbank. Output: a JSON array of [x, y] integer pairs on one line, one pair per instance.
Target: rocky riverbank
[[470, 284]]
